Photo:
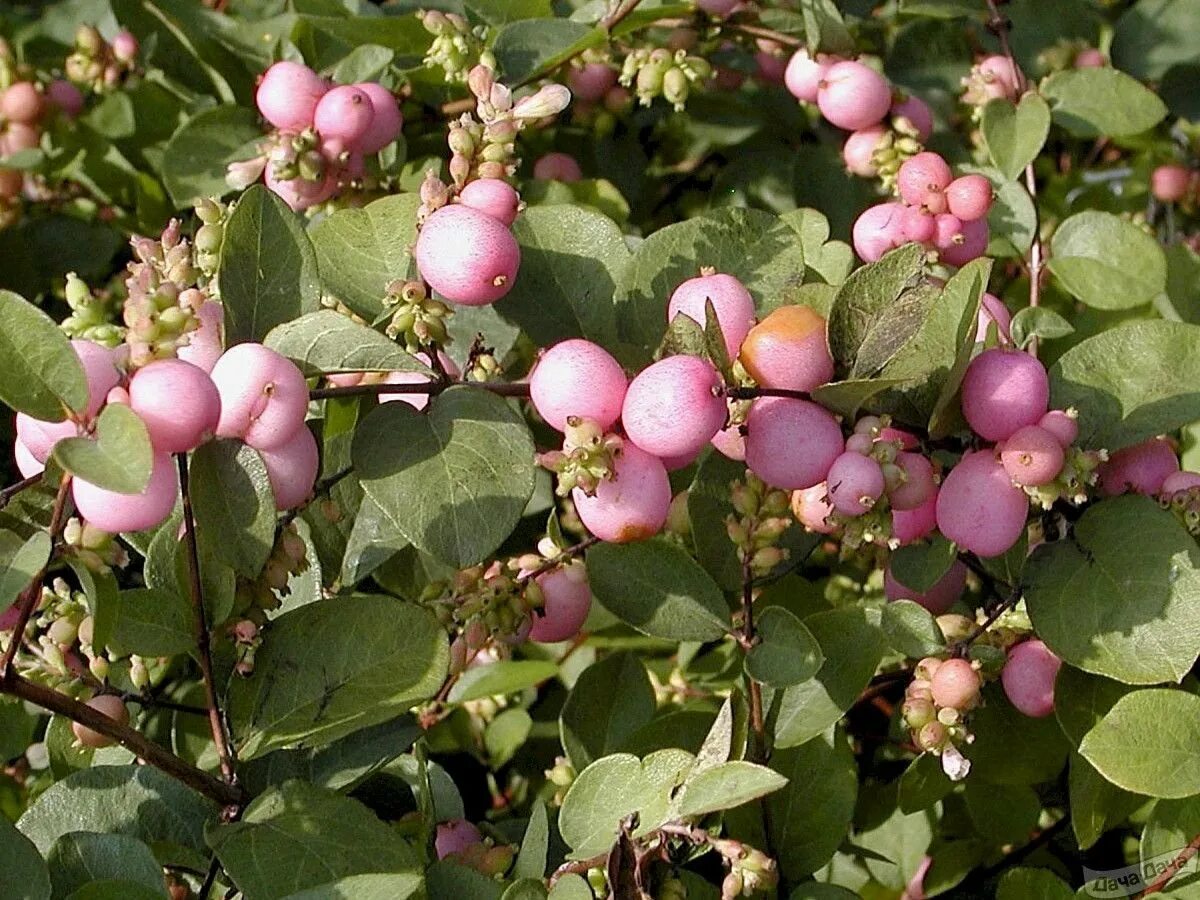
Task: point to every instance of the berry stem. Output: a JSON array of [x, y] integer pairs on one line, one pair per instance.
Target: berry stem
[[960, 648], [13, 489], [216, 719], [753, 688]]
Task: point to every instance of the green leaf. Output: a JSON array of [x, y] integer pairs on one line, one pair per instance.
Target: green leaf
[[235, 510], [911, 630], [535, 845], [139, 801], [23, 563], [998, 729], [1038, 322], [298, 836], [570, 260], [1014, 133], [361, 251], [195, 159], [923, 784], [614, 787], [1081, 700], [153, 623], [656, 587], [25, 874], [824, 28], [455, 479], [809, 818], [1153, 36], [853, 648], [82, 857], [1130, 383], [893, 331], [526, 889], [504, 677], [865, 297], [1033, 884], [610, 701], [848, 398], [1172, 825], [1097, 805], [327, 341], [1003, 814], [448, 879], [1147, 743], [268, 270], [708, 505], [115, 889], [1106, 262], [17, 727], [1127, 609], [376, 886], [786, 652], [120, 457], [39, 372], [1103, 101], [532, 47], [727, 785], [921, 565], [379, 657], [571, 887]]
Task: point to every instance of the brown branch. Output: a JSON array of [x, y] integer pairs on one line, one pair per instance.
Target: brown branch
[[130, 738], [750, 393], [13, 489], [1160, 883], [753, 688], [203, 646], [320, 489], [623, 9], [431, 388], [757, 31], [563, 556], [960, 648]]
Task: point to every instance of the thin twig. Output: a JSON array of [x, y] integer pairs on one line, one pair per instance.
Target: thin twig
[[320, 489], [757, 31], [432, 388], [203, 646], [13, 489], [613, 19], [960, 648], [750, 393], [563, 556], [214, 866], [1160, 883], [753, 688]]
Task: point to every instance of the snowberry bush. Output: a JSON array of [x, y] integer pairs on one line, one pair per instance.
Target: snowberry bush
[[511, 449]]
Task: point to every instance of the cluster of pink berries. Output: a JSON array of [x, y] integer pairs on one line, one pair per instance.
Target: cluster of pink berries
[[946, 214], [936, 701], [252, 393], [324, 132]]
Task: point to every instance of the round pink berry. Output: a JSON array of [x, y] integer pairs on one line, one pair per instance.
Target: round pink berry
[[578, 378], [39, 437], [979, 508], [1170, 183], [591, 81], [557, 167], [493, 197], [1032, 456], [299, 193], [770, 66], [924, 174], [905, 439], [969, 197], [918, 225], [292, 469], [674, 407], [1179, 481], [264, 397], [812, 508], [879, 229], [344, 113], [100, 369], [789, 349], [1061, 424], [1028, 678], [568, 598], [730, 442], [853, 96], [791, 444], [939, 598], [386, 120], [1140, 469], [288, 95], [21, 102], [803, 74], [1002, 391], [178, 402], [992, 309], [916, 113], [731, 301], [1090, 58], [467, 256], [416, 401], [65, 96], [455, 836], [125, 46], [116, 513], [855, 483], [633, 505], [27, 464], [859, 151], [955, 684], [969, 243], [919, 482], [997, 72], [206, 344], [910, 525]]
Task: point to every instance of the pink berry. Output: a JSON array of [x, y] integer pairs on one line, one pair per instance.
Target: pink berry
[[910, 525], [731, 301], [979, 508], [955, 684], [1090, 58], [27, 464], [790, 444], [1063, 425], [18, 137], [789, 349], [116, 513], [1141, 468], [455, 836], [770, 67], [292, 469], [39, 437], [730, 442], [567, 602], [578, 378], [674, 407], [992, 309], [947, 229], [919, 483], [633, 505], [1028, 678], [1170, 183], [264, 397], [591, 82], [111, 706], [969, 197], [918, 225], [343, 113], [939, 598], [298, 193], [1179, 481], [859, 150], [803, 74], [100, 369], [1002, 391], [855, 483], [922, 175], [125, 46], [288, 95], [812, 508], [21, 102], [417, 401], [969, 243], [997, 72], [718, 8], [878, 230], [178, 402], [557, 167], [917, 114], [65, 96], [906, 440], [206, 344], [682, 461], [853, 96], [493, 197], [386, 120], [467, 256], [1032, 456]]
